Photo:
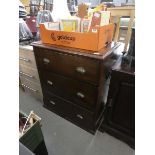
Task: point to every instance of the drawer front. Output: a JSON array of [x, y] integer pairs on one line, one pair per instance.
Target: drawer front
[[72, 90], [31, 86], [29, 73], [27, 58], [70, 111], [57, 105], [77, 67], [83, 117]]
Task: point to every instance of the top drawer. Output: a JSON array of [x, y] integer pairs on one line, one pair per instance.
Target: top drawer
[[27, 58], [77, 67]]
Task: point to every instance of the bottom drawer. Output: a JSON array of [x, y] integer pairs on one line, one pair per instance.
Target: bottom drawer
[[77, 115], [57, 105]]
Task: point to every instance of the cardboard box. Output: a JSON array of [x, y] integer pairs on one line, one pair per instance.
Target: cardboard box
[[88, 41]]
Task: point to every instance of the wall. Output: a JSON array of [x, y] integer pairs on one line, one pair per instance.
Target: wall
[[118, 2], [93, 2], [96, 2]]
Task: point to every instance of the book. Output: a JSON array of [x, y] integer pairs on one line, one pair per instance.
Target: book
[[85, 25], [53, 26], [70, 25], [105, 18], [100, 18], [95, 22]]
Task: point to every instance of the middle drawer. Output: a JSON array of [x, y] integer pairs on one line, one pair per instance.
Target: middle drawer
[[72, 90]]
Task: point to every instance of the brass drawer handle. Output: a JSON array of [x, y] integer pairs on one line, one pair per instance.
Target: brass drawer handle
[[80, 95], [24, 59], [80, 70], [50, 82], [52, 102], [79, 116], [30, 76], [46, 61], [34, 90]]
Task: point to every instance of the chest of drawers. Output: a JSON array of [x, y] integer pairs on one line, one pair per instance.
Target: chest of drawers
[[28, 72], [72, 82]]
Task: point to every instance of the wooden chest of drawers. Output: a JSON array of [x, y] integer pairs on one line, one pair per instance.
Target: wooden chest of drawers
[[28, 72], [72, 82]]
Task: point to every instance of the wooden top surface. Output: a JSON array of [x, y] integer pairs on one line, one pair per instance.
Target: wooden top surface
[[102, 54]]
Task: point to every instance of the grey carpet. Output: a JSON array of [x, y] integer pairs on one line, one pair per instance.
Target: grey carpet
[[64, 138]]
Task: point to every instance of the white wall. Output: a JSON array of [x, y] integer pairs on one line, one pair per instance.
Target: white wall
[[131, 1], [93, 2], [96, 2], [118, 2]]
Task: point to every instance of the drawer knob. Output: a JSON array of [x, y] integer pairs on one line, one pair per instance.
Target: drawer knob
[[80, 70], [46, 61], [30, 76], [50, 82], [80, 95], [79, 116], [53, 103], [24, 59]]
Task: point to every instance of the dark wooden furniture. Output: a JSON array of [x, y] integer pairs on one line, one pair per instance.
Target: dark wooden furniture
[[119, 117], [40, 150], [33, 138], [72, 82]]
